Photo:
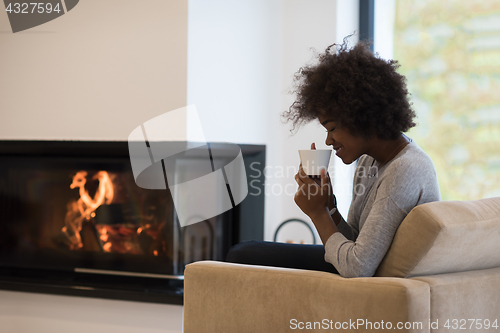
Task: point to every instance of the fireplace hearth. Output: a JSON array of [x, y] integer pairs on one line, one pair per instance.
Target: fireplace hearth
[[74, 222]]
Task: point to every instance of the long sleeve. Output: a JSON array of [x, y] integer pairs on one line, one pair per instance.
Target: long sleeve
[[362, 257], [378, 207], [347, 230]]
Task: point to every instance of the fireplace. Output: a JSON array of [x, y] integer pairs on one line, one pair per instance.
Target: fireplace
[[74, 222]]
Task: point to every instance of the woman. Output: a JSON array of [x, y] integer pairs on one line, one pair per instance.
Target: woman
[[362, 102]]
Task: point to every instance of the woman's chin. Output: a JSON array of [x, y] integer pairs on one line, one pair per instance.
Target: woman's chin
[[346, 161]]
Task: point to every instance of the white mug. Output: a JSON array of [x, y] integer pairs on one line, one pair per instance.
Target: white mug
[[314, 160]]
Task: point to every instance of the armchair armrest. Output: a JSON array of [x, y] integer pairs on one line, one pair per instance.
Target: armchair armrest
[[226, 297]]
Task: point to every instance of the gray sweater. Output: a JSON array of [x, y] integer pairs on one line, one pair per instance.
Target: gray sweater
[[379, 205]]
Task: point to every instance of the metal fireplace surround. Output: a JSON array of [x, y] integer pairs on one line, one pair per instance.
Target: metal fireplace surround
[[73, 222]]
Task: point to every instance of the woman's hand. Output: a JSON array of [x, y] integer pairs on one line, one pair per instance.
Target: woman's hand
[[311, 197], [332, 200]]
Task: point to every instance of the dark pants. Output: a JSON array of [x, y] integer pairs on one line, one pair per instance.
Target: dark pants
[[300, 256]]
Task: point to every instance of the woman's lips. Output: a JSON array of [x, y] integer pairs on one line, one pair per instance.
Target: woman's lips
[[338, 149]]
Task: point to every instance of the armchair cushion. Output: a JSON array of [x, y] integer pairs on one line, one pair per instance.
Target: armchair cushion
[[445, 237], [464, 295], [226, 297]]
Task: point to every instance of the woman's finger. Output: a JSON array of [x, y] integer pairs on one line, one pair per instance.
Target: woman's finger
[[302, 173], [304, 178], [298, 180], [325, 181], [301, 176], [300, 191], [327, 176], [323, 177]]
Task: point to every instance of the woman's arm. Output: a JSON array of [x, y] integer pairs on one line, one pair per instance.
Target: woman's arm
[[316, 199], [361, 257], [403, 185], [337, 218], [326, 224]]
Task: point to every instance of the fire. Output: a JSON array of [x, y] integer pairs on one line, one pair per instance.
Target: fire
[[104, 235], [107, 247], [84, 208]]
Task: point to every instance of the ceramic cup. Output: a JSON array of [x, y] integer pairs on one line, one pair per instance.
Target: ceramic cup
[[314, 160]]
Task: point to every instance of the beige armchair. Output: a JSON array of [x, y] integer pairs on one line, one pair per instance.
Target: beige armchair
[[441, 274]]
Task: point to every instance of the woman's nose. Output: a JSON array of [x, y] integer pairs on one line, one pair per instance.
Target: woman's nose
[[329, 141]]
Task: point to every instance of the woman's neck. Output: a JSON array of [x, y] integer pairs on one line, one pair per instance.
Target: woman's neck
[[384, 151]]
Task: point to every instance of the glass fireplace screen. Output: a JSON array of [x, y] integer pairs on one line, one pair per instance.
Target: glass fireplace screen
[[83, 212]]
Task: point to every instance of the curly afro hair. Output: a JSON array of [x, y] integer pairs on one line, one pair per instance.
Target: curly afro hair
[[356, 89]]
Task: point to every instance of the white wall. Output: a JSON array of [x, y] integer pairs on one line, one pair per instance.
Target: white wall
[[234, 53], [235, 57], [241, 59], [309, 28], [347, 23], [95, 73], [383, 40]]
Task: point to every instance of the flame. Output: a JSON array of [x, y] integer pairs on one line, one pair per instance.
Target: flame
[[104, 234], [84, 208], [107, 247]]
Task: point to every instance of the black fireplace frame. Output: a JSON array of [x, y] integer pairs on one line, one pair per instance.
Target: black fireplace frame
[[249, 215]]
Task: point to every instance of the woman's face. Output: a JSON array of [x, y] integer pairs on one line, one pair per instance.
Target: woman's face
[[346, 145]]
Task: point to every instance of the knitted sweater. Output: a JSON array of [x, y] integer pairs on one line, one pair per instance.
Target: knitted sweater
[[379, 205]]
